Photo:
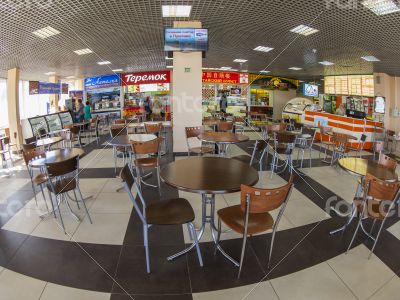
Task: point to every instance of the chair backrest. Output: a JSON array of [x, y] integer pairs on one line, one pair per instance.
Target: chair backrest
[[274, 128], [264, 200], [118, 130], [387, 161], [27, 147], [310, 131], [151, 128], [63, 168], [149, 147], [325, 129], [285, 138], [390, 132], [66, 135], [119, 121], [239, 119], [225, 126], [192, 132], [31, 140], [261, 145], [30, 154], [75, 130], [340, 139]]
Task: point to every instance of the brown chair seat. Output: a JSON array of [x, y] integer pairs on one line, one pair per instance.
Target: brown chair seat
[[233, 216], [64, 185], [202, 150], [39, 179], [147, 162], [243, 158], [170, 212]]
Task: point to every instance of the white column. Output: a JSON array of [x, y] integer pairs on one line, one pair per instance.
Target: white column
[[186, 93], [54, 97], [13, 105]]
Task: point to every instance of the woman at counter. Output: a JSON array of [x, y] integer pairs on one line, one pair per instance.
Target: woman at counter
[[87, 111]]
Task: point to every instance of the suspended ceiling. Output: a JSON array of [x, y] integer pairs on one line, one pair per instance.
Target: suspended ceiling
[[129, 33]]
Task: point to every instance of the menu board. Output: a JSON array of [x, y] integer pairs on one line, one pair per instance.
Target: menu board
[[354, 85]]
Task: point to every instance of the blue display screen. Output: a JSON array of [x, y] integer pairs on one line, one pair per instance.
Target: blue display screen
[[310, 90], [186, 39]]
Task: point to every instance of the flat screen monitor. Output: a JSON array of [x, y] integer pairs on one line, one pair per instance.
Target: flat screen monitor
[[186, 39], [379, 106], [310, 90]]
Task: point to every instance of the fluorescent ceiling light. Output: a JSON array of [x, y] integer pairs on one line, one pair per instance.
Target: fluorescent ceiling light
[[171, 11], [118, 70], [46, 32], [170, 67], [83, 51], [169, 58], [370, 58], [70, 77], [294, 68], [326, 63], [264, 71], [381, 7], [239, 60], [304, 30], [106, 62], [263, 49], [235, 70], [245, 71], [49, 73], [225, 68]]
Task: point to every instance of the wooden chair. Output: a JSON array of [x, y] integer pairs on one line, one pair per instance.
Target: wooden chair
[[140, 149], [151, 128], [119, 122], [360, 146], [193, 133], [167, 212], [324, 130], [27, 147], [252, 215], [261, 147], [63, 177], [387, 161], [340, 148], [39, 179], [377, 203], [239, 123], [225, 126], [283, 144]]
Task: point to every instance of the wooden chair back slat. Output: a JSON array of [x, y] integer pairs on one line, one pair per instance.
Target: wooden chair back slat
[[192, 132], [149, 147], [153, 128], [118, 130], [62, 168]]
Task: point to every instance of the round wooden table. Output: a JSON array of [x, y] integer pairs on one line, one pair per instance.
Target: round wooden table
[[222, 139], [361, 166], [58, 155], [208, 176], [47, 142], [125, 140]]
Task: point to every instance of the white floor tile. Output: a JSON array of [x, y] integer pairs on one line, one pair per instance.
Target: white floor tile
[[317, 282], [112, 185], [112, 203], [59, 292], [24, 221], [389, 291], [362, 275], [263, 290], [395, 229], [92, 185], [15, 286]]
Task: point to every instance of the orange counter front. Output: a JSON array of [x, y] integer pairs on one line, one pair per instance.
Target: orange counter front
[[342, 124]]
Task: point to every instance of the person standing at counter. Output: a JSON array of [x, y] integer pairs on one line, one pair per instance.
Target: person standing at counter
[[223, 104], [87, 111], [147, 107], [79, 112], [156, 110]]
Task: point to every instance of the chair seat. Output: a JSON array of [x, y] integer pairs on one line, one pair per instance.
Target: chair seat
[[233, 217], [170, 212], [202, 150], [147, 162], [243, 158], [40, 179], [64, 185]]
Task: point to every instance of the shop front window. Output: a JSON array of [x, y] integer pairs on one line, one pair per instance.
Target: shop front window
[[31, 105], [3, 103]]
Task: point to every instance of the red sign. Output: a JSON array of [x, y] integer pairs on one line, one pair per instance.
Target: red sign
[[225, 77], [146, 78]]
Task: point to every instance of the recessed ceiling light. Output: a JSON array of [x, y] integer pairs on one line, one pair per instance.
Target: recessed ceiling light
[[171, 11], [239, 60], [169, 58], [304, 30], [263, 49], [295, 68], [245, 71], [326, 63], [225, 68], [49, 73], [118, 70], [264, 71], [70, 77], [106, 62], [381, 7], [370, 58], [233, 70], [170, 67], [83, 51], [46, 32]]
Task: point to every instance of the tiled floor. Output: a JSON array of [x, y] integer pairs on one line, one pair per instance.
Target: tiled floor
[[105, 260]]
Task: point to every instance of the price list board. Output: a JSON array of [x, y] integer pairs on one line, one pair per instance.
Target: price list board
[[354, 85]]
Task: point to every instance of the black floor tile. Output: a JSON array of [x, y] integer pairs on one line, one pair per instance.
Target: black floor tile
[[67, 264], [219, 273], [166, 277], [151, 297], [9, 243]]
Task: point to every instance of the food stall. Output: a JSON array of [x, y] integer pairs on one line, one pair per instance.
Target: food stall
[[137, 86], [296, 108], [103, 94], [233, 84]]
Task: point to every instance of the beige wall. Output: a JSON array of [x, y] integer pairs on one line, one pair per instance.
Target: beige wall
[[280, 98], [13, 105], [186, 93]]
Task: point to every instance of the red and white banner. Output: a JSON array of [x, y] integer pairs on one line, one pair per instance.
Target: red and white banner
[[145, 78], [225, 77]]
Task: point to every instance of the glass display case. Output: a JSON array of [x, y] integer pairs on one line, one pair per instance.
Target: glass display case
[[54, 122]]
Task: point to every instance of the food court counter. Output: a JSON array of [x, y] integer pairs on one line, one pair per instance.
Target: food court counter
[[342, 124]]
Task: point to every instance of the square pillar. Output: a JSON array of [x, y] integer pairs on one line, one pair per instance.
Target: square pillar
[[13, 106]]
